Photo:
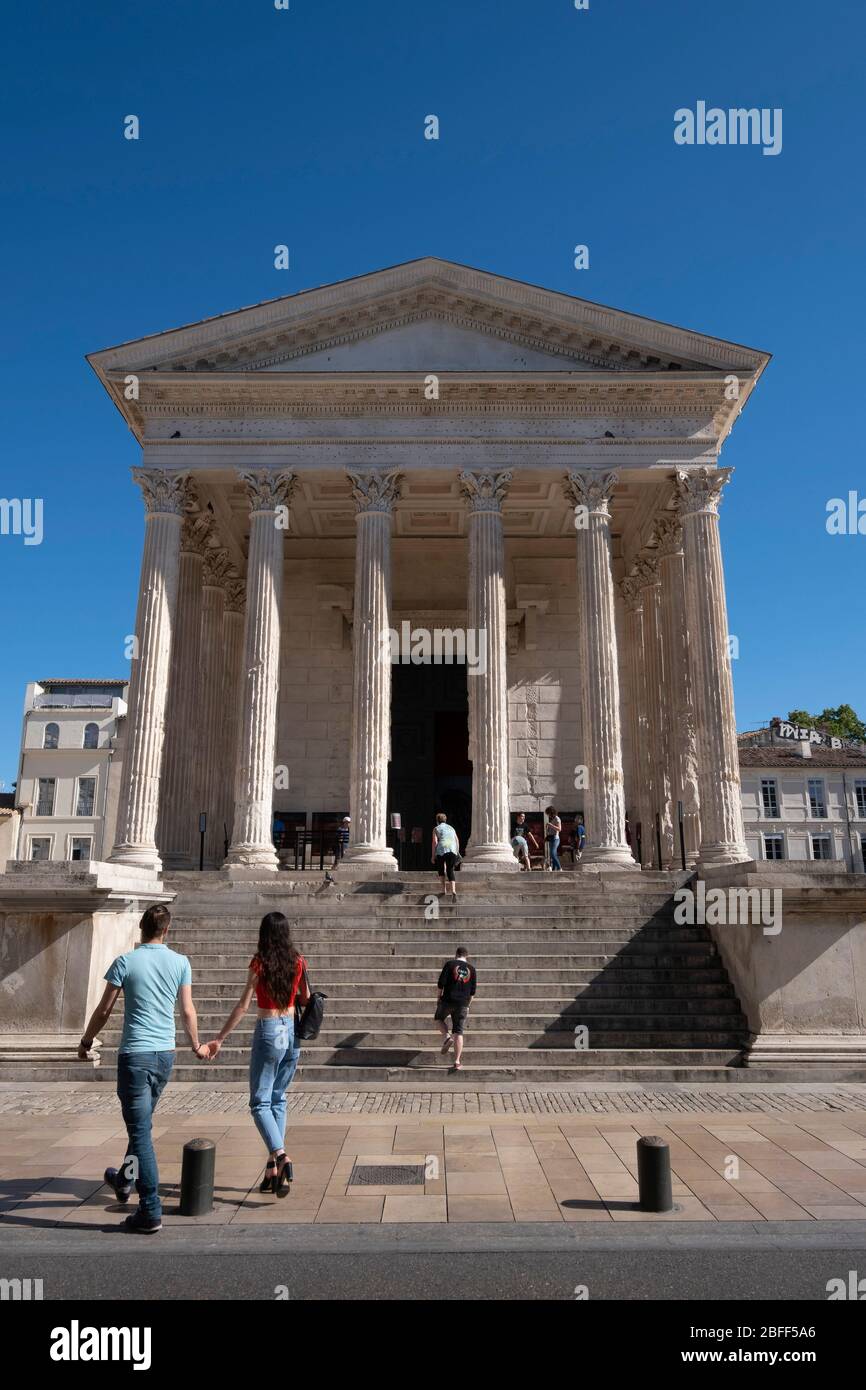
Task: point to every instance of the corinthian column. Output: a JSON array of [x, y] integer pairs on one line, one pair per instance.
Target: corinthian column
[[604, 802], [212, 665], [683, 739], [252, 847], [375, 493], [233, 652], [722, 837], [658, 711], [138, 806], [489, 841], [177, 809]]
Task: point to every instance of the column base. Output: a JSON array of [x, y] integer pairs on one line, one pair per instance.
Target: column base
[[362, 857], [604, 857], [723, 854], [250, 862], [490, 859], [175, 863], [137, 857]]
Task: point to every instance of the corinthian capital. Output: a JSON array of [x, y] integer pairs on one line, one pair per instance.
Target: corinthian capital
[[375, 489], [216, 566], [590, 488], [669, 533], [194, 532], [700, 489], [485, 491], [163, 492], [630, 590], [646, 571], [267, 490], [236, 592]]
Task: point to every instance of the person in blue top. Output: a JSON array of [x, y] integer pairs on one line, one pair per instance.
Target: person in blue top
[[152, 978], [446, 853], [580, 837]]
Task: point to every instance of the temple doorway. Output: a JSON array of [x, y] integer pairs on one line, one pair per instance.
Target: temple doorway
[[430, 769]]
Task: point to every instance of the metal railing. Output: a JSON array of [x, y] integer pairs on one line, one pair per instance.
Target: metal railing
[[72, 701]]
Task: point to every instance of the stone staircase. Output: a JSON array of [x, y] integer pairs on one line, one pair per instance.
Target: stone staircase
[[553, 954]]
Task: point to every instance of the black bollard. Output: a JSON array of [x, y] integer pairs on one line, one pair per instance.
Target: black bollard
[[196, 1177], [654, 1174]]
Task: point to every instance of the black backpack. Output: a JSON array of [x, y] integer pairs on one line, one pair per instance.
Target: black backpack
[[308, 1020]]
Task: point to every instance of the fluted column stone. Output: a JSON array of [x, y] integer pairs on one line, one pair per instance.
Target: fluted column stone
[[489, 845], [376, 492], [252, 846], [604, 801], [212, 664], [637, 794], [684, 754], [658, 709], [722, 836], [233, 652], [138, 805], [178, 811]]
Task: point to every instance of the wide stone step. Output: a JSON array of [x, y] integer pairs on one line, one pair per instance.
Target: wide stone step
[[603, 1030], [589, 1006], [411, 916], [443, 948], [328, 963], [361, 972], [214, 1008], [350, 1078], [510, 933], [519, 988]]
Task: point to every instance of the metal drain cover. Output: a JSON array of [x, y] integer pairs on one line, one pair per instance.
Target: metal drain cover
[[387, 1175]]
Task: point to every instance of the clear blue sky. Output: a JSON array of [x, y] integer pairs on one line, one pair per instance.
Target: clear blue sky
[[305, 127]]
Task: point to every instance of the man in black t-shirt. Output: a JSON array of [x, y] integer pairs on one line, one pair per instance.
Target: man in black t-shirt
[[456, 985]]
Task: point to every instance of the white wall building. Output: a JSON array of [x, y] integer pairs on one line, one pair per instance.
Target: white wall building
[[804, 795], [68, 768]]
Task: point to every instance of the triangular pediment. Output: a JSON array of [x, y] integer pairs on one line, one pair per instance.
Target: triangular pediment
[[427, 341], [428, 315]]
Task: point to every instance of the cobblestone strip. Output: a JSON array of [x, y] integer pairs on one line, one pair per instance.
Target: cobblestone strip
[[724, 1100]]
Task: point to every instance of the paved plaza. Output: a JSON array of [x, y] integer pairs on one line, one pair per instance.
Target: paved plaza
[[738, 1154]]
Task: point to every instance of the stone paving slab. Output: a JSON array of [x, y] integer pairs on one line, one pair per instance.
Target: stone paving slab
[[189, 1099], [803, 1165]]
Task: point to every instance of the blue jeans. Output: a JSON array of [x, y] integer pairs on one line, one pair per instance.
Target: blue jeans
[[553, 846], [141, 1080], [273, 1062]]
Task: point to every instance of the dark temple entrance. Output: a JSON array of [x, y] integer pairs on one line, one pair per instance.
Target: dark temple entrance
[[430, 769]]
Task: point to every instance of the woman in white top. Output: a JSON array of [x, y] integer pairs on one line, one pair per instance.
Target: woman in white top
[[552, 834], [446, 852]]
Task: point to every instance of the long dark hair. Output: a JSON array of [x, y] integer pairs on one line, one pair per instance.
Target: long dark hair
[[278, 957]]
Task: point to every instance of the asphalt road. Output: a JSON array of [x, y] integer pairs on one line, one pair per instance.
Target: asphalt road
[[779, 1262], [606, 1275]]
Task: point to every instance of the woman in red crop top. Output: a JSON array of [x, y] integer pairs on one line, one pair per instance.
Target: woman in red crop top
[[278, 978]]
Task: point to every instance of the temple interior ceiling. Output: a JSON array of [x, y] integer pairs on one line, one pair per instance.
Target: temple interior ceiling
[[432, 507]]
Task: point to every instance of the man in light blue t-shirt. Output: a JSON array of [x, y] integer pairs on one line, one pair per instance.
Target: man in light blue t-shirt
[[152, 978]]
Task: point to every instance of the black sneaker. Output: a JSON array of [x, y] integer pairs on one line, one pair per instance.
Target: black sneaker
[[141, 1225], [121, 1189]]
